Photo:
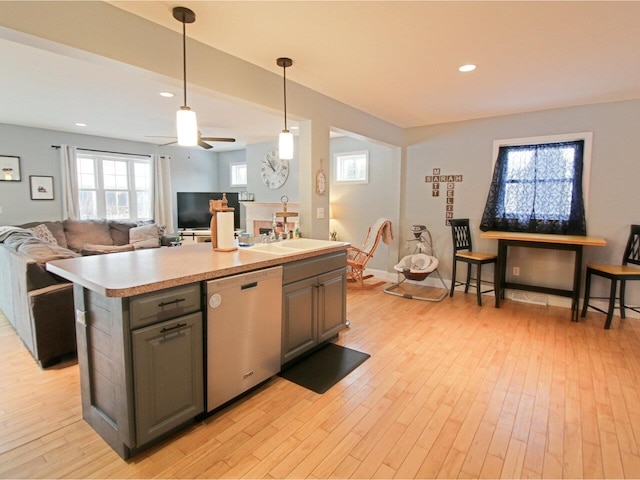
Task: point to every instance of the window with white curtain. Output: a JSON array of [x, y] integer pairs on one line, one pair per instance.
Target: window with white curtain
[[114, 186]]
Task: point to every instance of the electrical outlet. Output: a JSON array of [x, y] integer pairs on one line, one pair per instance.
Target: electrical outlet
[[516, 271]]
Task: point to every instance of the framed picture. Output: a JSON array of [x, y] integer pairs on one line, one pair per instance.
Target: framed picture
[[41, 187], [10, 169]]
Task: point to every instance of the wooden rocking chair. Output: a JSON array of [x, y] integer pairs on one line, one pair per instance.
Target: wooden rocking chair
[[357, 258]]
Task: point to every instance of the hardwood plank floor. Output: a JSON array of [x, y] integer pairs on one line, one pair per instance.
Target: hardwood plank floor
[[451, 390]]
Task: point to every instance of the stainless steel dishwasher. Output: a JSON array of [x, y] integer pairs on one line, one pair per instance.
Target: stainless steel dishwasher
[[244, 333]]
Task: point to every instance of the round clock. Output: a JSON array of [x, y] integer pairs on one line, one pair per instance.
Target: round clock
[[274, 171]]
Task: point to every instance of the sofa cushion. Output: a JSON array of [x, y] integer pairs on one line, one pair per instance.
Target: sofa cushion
[[55, 227], [43, 233], [144, 236], [120, 231], [79, 232], [91, 249]]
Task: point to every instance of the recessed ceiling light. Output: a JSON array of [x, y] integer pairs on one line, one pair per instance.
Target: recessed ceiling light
[[467, 68], [79, 124], [166, 94]]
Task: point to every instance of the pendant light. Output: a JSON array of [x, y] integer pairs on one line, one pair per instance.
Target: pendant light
[[285, 140], [186, 122]]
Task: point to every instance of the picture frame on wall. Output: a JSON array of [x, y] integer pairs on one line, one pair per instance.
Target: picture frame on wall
[[41, 187], [9, 168]]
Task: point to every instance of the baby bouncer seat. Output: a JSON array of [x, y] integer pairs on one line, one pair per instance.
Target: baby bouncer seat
[[418, 266]]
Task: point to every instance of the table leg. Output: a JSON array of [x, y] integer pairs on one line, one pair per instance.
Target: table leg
[[500, 269], [575, 299]]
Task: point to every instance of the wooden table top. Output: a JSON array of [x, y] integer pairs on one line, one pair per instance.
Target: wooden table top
[[546, 238]]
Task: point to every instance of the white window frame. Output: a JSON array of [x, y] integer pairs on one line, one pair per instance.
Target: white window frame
[[567, 137], [337, 159], [98, 158], [232, 175]]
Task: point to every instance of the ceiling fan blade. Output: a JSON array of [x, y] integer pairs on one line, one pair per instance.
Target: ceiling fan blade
[[204, 145], [217, 139]]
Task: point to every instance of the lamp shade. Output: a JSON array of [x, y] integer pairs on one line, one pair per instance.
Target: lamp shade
[[285, 145], [187, 126]]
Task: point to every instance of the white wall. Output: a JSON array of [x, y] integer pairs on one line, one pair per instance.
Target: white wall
[[466, 148]]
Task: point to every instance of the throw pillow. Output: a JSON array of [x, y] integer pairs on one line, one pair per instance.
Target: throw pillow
[[144, 236], [79, 232], [43, 233]]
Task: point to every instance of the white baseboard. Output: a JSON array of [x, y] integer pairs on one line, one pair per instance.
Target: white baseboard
[[516, 295]]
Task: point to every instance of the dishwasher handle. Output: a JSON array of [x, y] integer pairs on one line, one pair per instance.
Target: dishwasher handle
[[247, 286]]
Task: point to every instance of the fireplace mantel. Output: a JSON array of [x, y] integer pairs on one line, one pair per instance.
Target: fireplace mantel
[[260, 214]]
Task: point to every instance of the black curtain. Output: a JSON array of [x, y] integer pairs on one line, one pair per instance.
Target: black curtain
[[537, 189]]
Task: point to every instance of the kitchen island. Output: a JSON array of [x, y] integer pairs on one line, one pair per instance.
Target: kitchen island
[[141, 325]]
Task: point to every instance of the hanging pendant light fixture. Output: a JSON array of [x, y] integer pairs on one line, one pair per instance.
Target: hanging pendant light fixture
[[285, 140], [186, 122]]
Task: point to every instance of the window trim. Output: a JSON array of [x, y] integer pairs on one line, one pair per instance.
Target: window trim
[[350, 182], [98, 157], [567, 137]]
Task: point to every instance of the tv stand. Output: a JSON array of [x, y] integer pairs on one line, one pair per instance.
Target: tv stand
[[196, 235]]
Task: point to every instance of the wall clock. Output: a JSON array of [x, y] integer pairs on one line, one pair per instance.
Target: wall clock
[[274, 171]]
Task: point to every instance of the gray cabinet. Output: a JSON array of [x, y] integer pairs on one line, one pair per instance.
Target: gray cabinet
[[168, 385], [138, 381], [314, 303]]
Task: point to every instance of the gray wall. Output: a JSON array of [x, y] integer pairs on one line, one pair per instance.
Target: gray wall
[[466, 148], [356, 207], [191, 169]]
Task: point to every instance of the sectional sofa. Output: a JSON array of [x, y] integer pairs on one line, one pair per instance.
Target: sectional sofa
[[39, 304]]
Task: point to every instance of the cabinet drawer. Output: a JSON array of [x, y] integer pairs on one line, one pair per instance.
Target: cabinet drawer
[[155, 307], [295, 271]]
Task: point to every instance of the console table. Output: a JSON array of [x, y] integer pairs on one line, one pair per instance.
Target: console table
[[573, 243]]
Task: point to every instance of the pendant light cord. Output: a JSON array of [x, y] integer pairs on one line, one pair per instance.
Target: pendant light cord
[[285, 96], [184, 57]]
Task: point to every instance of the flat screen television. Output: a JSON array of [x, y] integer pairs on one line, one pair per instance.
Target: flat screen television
[[193, 209]]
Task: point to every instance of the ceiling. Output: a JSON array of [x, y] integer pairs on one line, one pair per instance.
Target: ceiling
[[397, 61]]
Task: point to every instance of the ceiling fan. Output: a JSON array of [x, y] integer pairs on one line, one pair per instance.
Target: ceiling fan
[[202, 141]]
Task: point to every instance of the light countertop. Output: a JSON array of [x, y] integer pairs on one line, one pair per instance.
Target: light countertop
[[125, 274]]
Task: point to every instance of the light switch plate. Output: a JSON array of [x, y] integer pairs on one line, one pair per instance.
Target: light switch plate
[[320, 212]]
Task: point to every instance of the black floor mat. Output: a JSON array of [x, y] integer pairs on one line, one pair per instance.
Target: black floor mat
[[324, 368]]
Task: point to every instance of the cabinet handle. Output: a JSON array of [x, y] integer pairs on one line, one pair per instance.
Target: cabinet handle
[[249, 285], [175, 327], [177, 300]]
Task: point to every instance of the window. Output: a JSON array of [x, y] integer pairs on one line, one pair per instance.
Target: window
[[112, 186], [352, 167], [238, 174], [538, 187]]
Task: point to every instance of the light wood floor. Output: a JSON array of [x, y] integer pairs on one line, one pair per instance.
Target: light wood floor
[[451, 390]]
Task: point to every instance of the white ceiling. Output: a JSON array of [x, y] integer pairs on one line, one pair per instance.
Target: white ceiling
[[395, 60]]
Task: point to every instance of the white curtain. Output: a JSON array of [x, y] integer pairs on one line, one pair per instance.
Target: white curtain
[[70, 203], [162, 205]]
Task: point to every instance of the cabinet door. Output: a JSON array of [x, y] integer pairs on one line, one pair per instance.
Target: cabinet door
[[168, 375], [298, 318], [332, 304]]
